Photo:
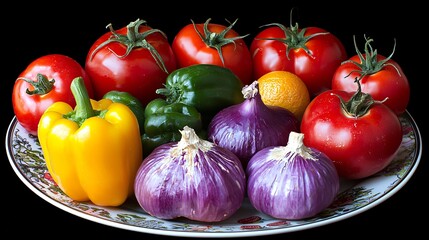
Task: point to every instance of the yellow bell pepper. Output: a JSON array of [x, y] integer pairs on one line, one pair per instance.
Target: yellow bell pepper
[[94, 151]]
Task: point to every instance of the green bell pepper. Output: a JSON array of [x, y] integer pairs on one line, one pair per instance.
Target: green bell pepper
[[132, 102], [208, 88], [164, 120]]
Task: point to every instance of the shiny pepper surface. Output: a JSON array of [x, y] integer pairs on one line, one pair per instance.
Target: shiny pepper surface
[[207, 87], [163, 122], [131, 101], [94, 151]]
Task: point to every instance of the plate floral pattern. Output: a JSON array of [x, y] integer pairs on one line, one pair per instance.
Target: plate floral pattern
[[26, 158]]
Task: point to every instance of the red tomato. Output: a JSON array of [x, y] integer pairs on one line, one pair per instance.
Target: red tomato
[[379, 76], [216, 44], [311, 53], [360, 145], [134, 59], [48, 80]]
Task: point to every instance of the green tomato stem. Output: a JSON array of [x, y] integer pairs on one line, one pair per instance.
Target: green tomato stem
[[41, 86]]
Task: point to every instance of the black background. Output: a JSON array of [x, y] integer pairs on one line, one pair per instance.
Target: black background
[[32, 31]]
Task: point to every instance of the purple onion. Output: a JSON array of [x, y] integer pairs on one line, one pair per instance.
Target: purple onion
[[291, 182], [250, 126], [192, 178]]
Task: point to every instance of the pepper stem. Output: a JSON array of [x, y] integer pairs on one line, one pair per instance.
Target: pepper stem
[[172, 93], [163, 91], [83, 108], [41, 86]]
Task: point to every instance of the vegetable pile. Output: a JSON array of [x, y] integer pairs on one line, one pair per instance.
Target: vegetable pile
[[181, 127]]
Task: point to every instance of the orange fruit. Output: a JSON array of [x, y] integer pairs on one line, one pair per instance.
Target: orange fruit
[[284, 89]]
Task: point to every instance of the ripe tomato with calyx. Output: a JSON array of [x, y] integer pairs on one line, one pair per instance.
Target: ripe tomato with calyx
[[379, 76], [44, 81], [216, 44], [134, 59], [359, 134]]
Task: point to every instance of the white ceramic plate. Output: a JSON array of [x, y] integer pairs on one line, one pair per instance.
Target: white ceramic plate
[[355, 197]]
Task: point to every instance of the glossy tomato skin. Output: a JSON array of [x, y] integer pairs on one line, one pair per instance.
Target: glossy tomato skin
[[137, 73], [63, 69], [190, 49], [358, 146], [315, 69], [390, 82]]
